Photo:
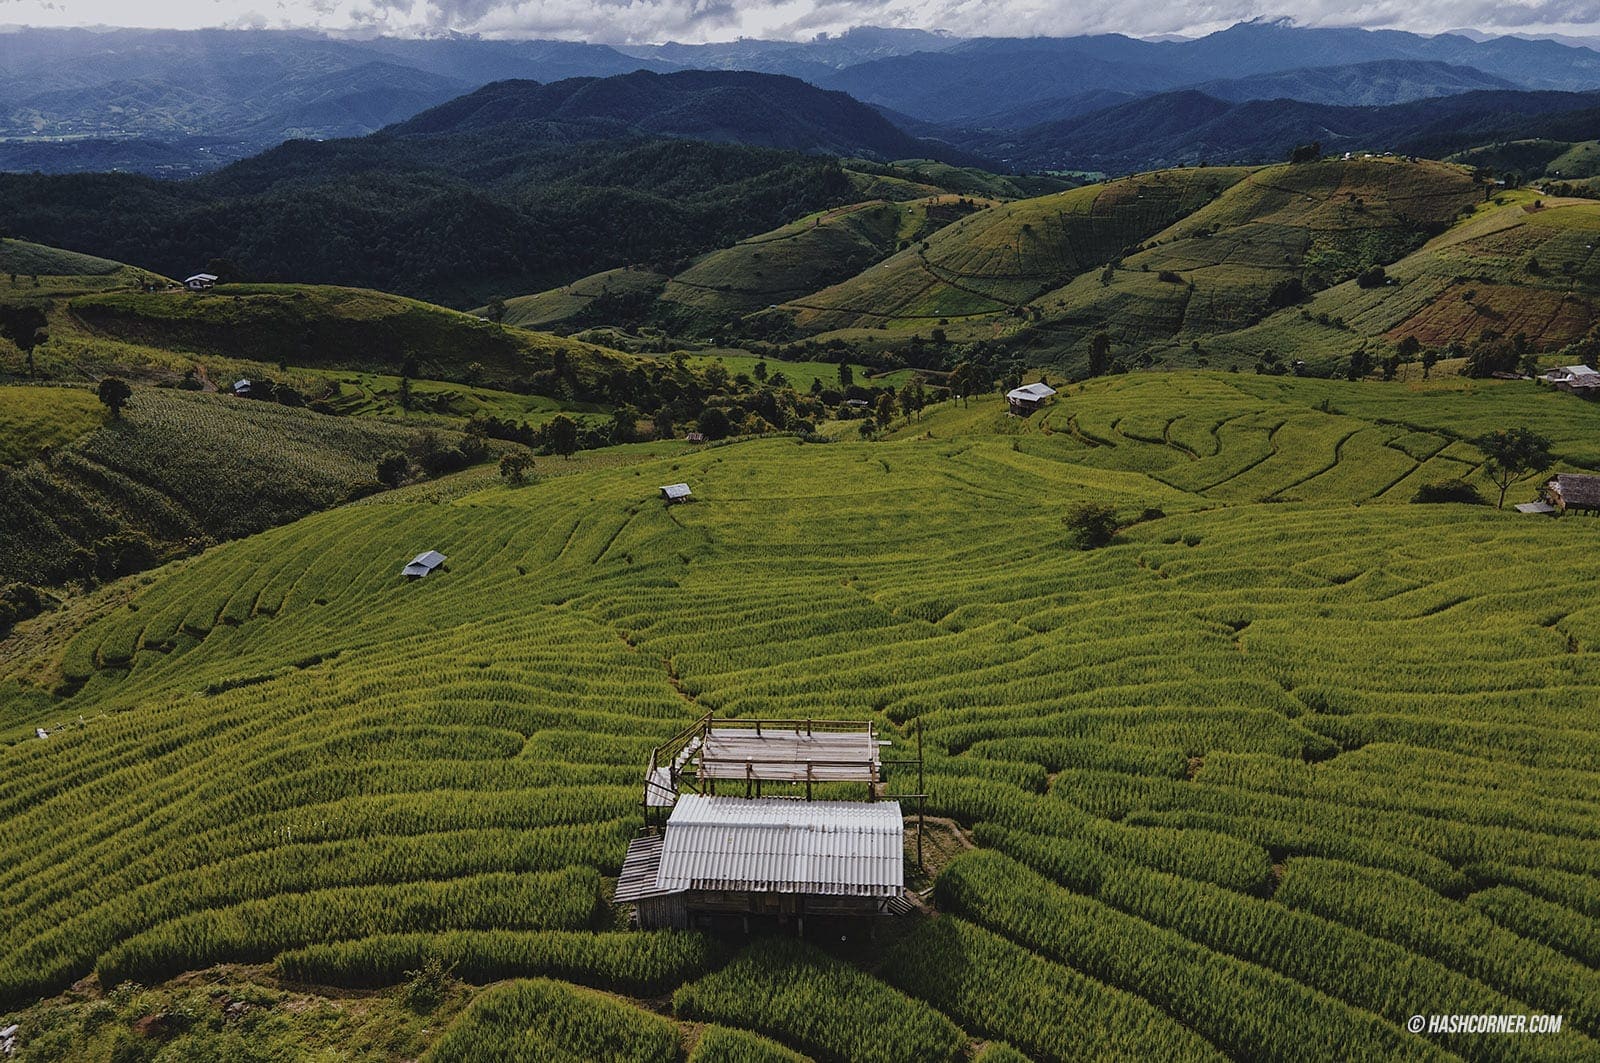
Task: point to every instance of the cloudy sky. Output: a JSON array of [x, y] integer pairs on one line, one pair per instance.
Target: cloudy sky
[[703, 20]]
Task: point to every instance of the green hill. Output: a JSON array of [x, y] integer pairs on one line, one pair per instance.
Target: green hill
[[718, 288], [1324, 761], [322, 326], [1216, 271], [180, 470], [1524, 266], [997, 259]]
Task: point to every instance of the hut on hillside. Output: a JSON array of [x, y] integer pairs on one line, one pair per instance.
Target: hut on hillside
[[767, 848], [201, 282], [1029, 397], [1572, 492], [1576, 379], [671, 493], [423, 564]]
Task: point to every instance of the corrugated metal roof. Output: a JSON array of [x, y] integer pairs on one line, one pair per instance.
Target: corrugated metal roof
[[423, 564], [778, 845], [675, 490], [1032, 392], [639, 868]]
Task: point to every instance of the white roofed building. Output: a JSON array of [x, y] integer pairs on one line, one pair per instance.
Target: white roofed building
[[201, 282], [423, 564], [676, 492], [759, 854], [1029, 397]]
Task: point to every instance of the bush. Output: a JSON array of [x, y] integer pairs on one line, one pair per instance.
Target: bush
[[1449, 491], [1091, 525]]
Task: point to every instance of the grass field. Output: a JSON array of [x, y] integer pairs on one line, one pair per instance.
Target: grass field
[[180, 469], [1288, 762], [32, 419]]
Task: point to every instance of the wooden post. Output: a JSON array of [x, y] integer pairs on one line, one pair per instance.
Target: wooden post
[[922, 792]]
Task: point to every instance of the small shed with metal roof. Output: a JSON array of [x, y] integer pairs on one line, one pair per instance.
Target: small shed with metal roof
[[1029, 397], [767, 848], [675, 493], [423, 564]]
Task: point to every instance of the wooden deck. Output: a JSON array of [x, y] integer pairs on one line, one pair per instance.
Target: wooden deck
[[772, 755]]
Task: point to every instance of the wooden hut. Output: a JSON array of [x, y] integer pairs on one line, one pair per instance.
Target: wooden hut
[[1572, 492]]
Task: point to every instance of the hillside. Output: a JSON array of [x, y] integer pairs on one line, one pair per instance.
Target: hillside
[[1001, 257], [1216, 270], [1321, 759], [719, 288], [763, 110], [1186, 127], [1375, 84], [313, 326], [454, 219], [1525, 267], [180, 471]]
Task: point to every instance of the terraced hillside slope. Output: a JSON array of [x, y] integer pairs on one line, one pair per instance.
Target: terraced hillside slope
[[997, 260], [718, 288], [1524, 266], [1216, 271], [1260, 779]]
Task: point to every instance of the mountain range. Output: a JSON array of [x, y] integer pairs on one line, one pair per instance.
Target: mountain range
[[177, 103]]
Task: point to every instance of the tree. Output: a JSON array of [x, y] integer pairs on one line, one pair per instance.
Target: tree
[[1410, 347], [847, 375], [495, 309], [1100, 353], [963, 380], [473, 374], [1360, 365], [406, 401], [760, 372], [514, 466], [713, 423], [1302, 153], [1091, 524], [392, 468], [561, 435], [1430, 358], [885, 410], [1374, 277], [24, 326], [1512, 454], [114, 394]]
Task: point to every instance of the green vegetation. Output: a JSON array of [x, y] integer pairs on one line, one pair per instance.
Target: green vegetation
[[550, 1022], [829, 1009], [35, 419], [1286, 761], [178, 471]]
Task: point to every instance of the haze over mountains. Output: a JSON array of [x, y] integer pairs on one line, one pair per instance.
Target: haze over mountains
[[177, 103]]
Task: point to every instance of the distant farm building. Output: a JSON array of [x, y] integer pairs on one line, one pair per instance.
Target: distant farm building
[[1574, 493], [201, 282], [1578, 379], [241, 387], [755, 852], [1029, 397], [676, 493], [695, 437], [423, 564]]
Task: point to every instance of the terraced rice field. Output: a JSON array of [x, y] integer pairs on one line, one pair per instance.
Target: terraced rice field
[[1004, 256], [1285, 764]]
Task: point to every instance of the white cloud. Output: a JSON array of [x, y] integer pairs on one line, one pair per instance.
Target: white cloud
[[701, 20]]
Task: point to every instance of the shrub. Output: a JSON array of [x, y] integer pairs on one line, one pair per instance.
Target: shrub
[[1449, 491], [1091, 525]]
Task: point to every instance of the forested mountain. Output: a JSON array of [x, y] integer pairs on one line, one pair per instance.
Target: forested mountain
[[169, 102], [1190, 126], [728, 106]]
